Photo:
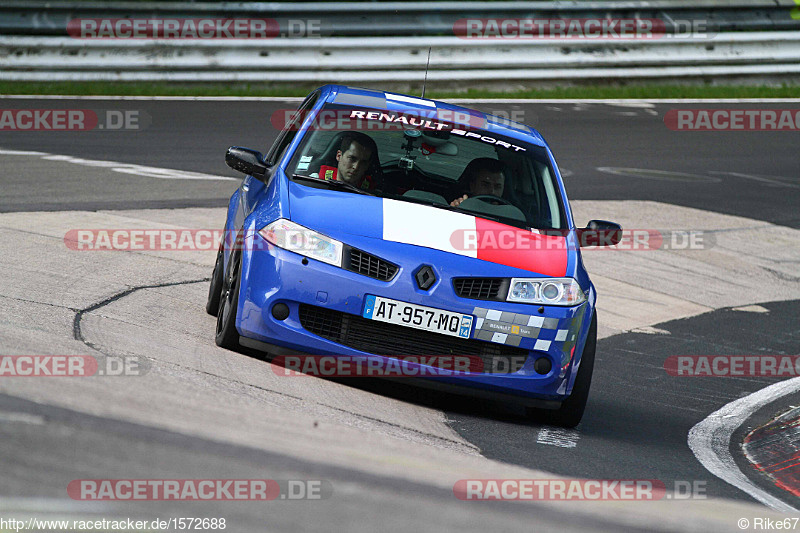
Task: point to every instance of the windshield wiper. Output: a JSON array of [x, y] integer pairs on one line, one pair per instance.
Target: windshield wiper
[[334, 183]]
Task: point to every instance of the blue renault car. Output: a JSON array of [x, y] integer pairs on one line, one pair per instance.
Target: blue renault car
[[387, 226]]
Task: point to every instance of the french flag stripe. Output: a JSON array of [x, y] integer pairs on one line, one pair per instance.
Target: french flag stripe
[[516, 247], [470, 236], [421, 225], [409, 100]]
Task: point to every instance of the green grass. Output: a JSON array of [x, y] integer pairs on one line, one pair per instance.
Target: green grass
[[151, 89], [645, 91], [255, 89]]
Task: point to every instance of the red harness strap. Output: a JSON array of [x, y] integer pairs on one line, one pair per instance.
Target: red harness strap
[[331, 173]]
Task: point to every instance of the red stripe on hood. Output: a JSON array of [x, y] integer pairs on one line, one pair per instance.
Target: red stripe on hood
[[515, 247]]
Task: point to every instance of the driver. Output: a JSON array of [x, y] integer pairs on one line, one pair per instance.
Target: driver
[[482, 176], [354, 157]]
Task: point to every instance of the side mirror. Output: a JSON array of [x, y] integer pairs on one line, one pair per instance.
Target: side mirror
[[600, 233], [245, 160]]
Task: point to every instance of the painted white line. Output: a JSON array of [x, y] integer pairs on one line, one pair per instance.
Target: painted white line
[[21, 152], [650, 330], [22, 418], [563, 438], [751, 309], [770, 181], [710, 440], [661, 175], [123, 168], [632, 103], [45, 506]]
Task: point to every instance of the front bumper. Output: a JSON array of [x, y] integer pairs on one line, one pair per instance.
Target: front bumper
[[271, 275]]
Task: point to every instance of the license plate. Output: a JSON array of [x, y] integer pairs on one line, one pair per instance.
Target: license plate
[[418, 316]]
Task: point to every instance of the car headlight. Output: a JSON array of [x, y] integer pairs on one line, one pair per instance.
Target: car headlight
[[299, 239], [547, 291]]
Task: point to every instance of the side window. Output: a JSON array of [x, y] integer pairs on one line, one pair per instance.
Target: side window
[[551, 195], [287, 135]]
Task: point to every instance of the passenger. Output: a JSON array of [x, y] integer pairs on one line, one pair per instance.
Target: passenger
[[482, 176]]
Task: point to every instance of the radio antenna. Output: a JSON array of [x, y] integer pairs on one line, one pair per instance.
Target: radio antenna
[[428, 64]]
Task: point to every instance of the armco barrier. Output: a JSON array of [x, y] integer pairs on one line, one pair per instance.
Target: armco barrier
[[387, 42], [342, 19], [397, 59]]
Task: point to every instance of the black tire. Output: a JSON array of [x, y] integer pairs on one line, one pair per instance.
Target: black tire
[[571, 410], [215, 287], [227, 336]]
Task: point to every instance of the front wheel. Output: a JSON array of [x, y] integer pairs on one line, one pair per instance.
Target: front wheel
[[571, 410], [227, 336], [215, 287]]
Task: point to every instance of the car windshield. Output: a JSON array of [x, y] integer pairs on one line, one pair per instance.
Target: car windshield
[[409, 157]]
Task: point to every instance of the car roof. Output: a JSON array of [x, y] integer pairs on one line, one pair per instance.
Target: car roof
[[384, 100]]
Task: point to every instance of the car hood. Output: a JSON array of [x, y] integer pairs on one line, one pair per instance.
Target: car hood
[[339, 214]]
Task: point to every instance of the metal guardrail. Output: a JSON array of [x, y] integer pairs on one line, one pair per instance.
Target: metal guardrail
[[387, 42], [397, 59], [23, 17]]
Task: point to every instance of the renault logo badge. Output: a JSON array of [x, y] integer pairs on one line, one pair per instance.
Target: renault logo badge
[[425, 277]]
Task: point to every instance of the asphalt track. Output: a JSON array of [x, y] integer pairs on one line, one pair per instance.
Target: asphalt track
[[639, 406], [584, 137], [734, 183]]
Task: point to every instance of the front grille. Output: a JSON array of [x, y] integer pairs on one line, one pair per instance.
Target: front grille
[[481, 288], [391, 340], [369, 265]]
